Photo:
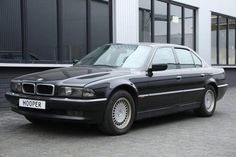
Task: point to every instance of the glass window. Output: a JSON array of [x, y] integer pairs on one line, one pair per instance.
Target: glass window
[[213, 39], [99, 23], [126, 56], [185, 58], [10, 31], [165, 56], [167, 23], [144, 20], [74, 30], [160, 22], [48, 23], [232, 41], [189, 28], [197, 61], [42, 30], [222, 39], [176, 24]]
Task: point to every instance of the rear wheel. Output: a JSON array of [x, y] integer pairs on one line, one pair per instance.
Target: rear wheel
[[120, 113], [208, 102]]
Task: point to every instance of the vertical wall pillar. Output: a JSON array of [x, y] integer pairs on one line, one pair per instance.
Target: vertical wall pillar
[[204, 34], [125, 21]]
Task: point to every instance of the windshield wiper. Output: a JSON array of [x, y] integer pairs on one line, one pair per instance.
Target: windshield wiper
[[105, 65]]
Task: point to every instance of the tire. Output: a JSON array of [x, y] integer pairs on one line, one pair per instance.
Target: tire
[[208, 104], [119, 114], [35, 120]]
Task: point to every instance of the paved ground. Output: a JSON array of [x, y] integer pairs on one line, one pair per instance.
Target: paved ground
[[177, 135]]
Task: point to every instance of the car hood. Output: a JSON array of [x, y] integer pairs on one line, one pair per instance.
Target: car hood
[[79, 76]]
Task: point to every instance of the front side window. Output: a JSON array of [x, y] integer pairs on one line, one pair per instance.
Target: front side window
[[197, 61], [165, 56], [125, 56], [185, 58]]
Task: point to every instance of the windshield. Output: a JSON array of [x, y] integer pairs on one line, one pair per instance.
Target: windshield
[[126, 56]]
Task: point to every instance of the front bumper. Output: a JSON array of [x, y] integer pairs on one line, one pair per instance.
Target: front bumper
[[90, 110]]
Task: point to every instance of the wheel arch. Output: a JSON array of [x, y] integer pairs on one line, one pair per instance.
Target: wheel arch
[[130, 89], [212, 83], [124, 85]]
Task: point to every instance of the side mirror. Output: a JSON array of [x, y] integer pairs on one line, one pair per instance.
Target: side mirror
[[74, 61], [157, 67]]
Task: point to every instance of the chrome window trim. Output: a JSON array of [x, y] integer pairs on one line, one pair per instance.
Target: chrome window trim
[[222, 85], [171, 92], [53, 89], [23, 91]]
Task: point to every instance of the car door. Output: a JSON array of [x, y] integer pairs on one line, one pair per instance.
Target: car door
[[162, 87], [192, 77]]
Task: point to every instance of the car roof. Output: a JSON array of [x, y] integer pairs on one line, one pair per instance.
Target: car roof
[[154, 45]]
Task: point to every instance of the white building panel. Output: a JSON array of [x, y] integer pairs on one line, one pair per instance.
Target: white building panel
[[125, 14]]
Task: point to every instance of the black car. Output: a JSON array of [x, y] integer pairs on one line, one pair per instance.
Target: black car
[[117, 84]]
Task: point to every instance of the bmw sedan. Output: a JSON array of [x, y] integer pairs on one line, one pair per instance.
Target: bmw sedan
[[117, 84]]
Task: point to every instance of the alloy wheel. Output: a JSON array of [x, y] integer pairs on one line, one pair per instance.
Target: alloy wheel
[[121, 113]]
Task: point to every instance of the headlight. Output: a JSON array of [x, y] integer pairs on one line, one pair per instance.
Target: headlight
[[70, 91], [76, 92], [16, 87], [88, 93]]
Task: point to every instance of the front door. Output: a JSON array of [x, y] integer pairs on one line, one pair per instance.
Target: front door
[[162, 87]]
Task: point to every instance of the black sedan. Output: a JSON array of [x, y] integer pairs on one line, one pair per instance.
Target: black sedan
[[117, 84]]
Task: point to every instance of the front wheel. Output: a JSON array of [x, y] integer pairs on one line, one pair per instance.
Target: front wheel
[[120, 114], [208, 102]]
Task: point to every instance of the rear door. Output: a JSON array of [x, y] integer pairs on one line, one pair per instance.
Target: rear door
[[192, 77]]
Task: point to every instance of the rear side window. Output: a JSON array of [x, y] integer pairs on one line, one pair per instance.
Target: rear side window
[[165, 56], [197, 61], [185, 58]]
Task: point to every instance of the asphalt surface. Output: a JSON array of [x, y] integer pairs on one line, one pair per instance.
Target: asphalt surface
[[177, 135]]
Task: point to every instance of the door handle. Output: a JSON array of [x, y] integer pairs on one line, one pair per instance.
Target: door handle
[[202, 75], [179, 77]]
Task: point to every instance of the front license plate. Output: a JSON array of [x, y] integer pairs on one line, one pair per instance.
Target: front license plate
[[32, 104]]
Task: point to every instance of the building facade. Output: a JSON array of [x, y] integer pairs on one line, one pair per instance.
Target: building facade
[[41, 34]]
